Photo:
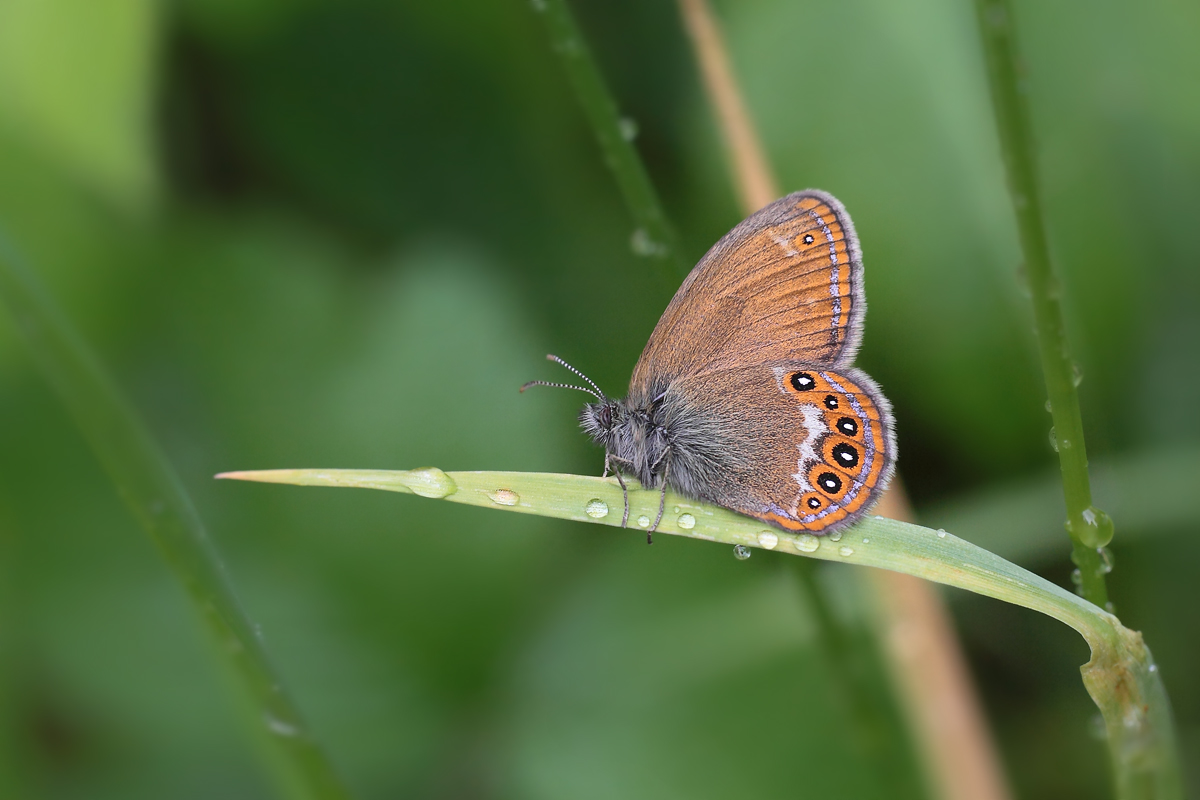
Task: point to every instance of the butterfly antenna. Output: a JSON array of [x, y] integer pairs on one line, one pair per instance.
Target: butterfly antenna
[[557, 360], [562, 386]]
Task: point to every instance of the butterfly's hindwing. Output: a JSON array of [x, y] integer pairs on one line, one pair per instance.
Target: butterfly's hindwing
[[803, 448]]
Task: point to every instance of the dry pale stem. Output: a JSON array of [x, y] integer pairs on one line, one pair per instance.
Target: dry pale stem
[[749, 169], [927, 663]]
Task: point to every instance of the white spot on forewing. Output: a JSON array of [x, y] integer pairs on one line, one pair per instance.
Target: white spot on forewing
[[814, 428], [785, 245], [779, 373]]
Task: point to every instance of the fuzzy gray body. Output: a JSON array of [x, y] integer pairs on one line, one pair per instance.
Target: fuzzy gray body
[[661, 436]]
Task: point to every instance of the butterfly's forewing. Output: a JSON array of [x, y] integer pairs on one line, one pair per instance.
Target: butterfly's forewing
[[799, 446], [784, 285]]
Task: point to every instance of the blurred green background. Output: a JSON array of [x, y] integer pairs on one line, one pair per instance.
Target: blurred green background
[[315, 233]]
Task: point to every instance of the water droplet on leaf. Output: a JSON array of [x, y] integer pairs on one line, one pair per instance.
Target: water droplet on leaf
[[845, 552], [768, 540], [596, 509], [741, 552], [505, 497], [644, 521], [687, 521], [807, 543], [1053, 439], [430, 482]]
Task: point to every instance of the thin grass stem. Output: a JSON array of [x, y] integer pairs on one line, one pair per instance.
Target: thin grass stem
[[148, 485], [1089, 528], [653, 237], [1145, 764]]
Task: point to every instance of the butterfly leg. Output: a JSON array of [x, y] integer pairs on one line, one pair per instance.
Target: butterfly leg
[[608, 459], [662, 503], [625, 492]]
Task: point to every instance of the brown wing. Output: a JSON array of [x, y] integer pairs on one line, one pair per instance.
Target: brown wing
[[797, 446], [785, 284]]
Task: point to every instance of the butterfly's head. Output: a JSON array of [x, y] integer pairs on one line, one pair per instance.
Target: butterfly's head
[[599, 420]]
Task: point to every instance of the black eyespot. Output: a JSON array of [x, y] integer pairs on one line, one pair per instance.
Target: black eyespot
[[808, 238], [845, 455], [814, 502], [847, 426], [802, 381], [830, 482], [831, 402]]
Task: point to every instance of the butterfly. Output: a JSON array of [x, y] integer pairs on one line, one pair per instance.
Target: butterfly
[[745, 395]]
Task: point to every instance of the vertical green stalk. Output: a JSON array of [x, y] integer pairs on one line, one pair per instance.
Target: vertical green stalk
[[13, 751], [654, 237], [148, 485], [1090, 528]]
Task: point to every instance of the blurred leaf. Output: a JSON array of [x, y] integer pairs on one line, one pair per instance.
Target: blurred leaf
[[76, 80]]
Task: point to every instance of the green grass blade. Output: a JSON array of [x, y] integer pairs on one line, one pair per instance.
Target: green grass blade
[[1090, 529], [654, 236], [149, 486], [1121, 675]]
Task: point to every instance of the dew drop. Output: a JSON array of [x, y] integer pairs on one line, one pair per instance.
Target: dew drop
[[1106, 559], [1076, 373], [687, 521], [505, 497], [278, 726], [596, 508], [941, 534], [807, 543], [1049, 408], [644, 521], [836, 536], [1097, 528], [676, 509], [866, 540], [629, 128], [845, 552], [741, 552], [643, 245], [768, 540], [430, 482], [1153, 667], [1053, 439], [1065, 444]]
